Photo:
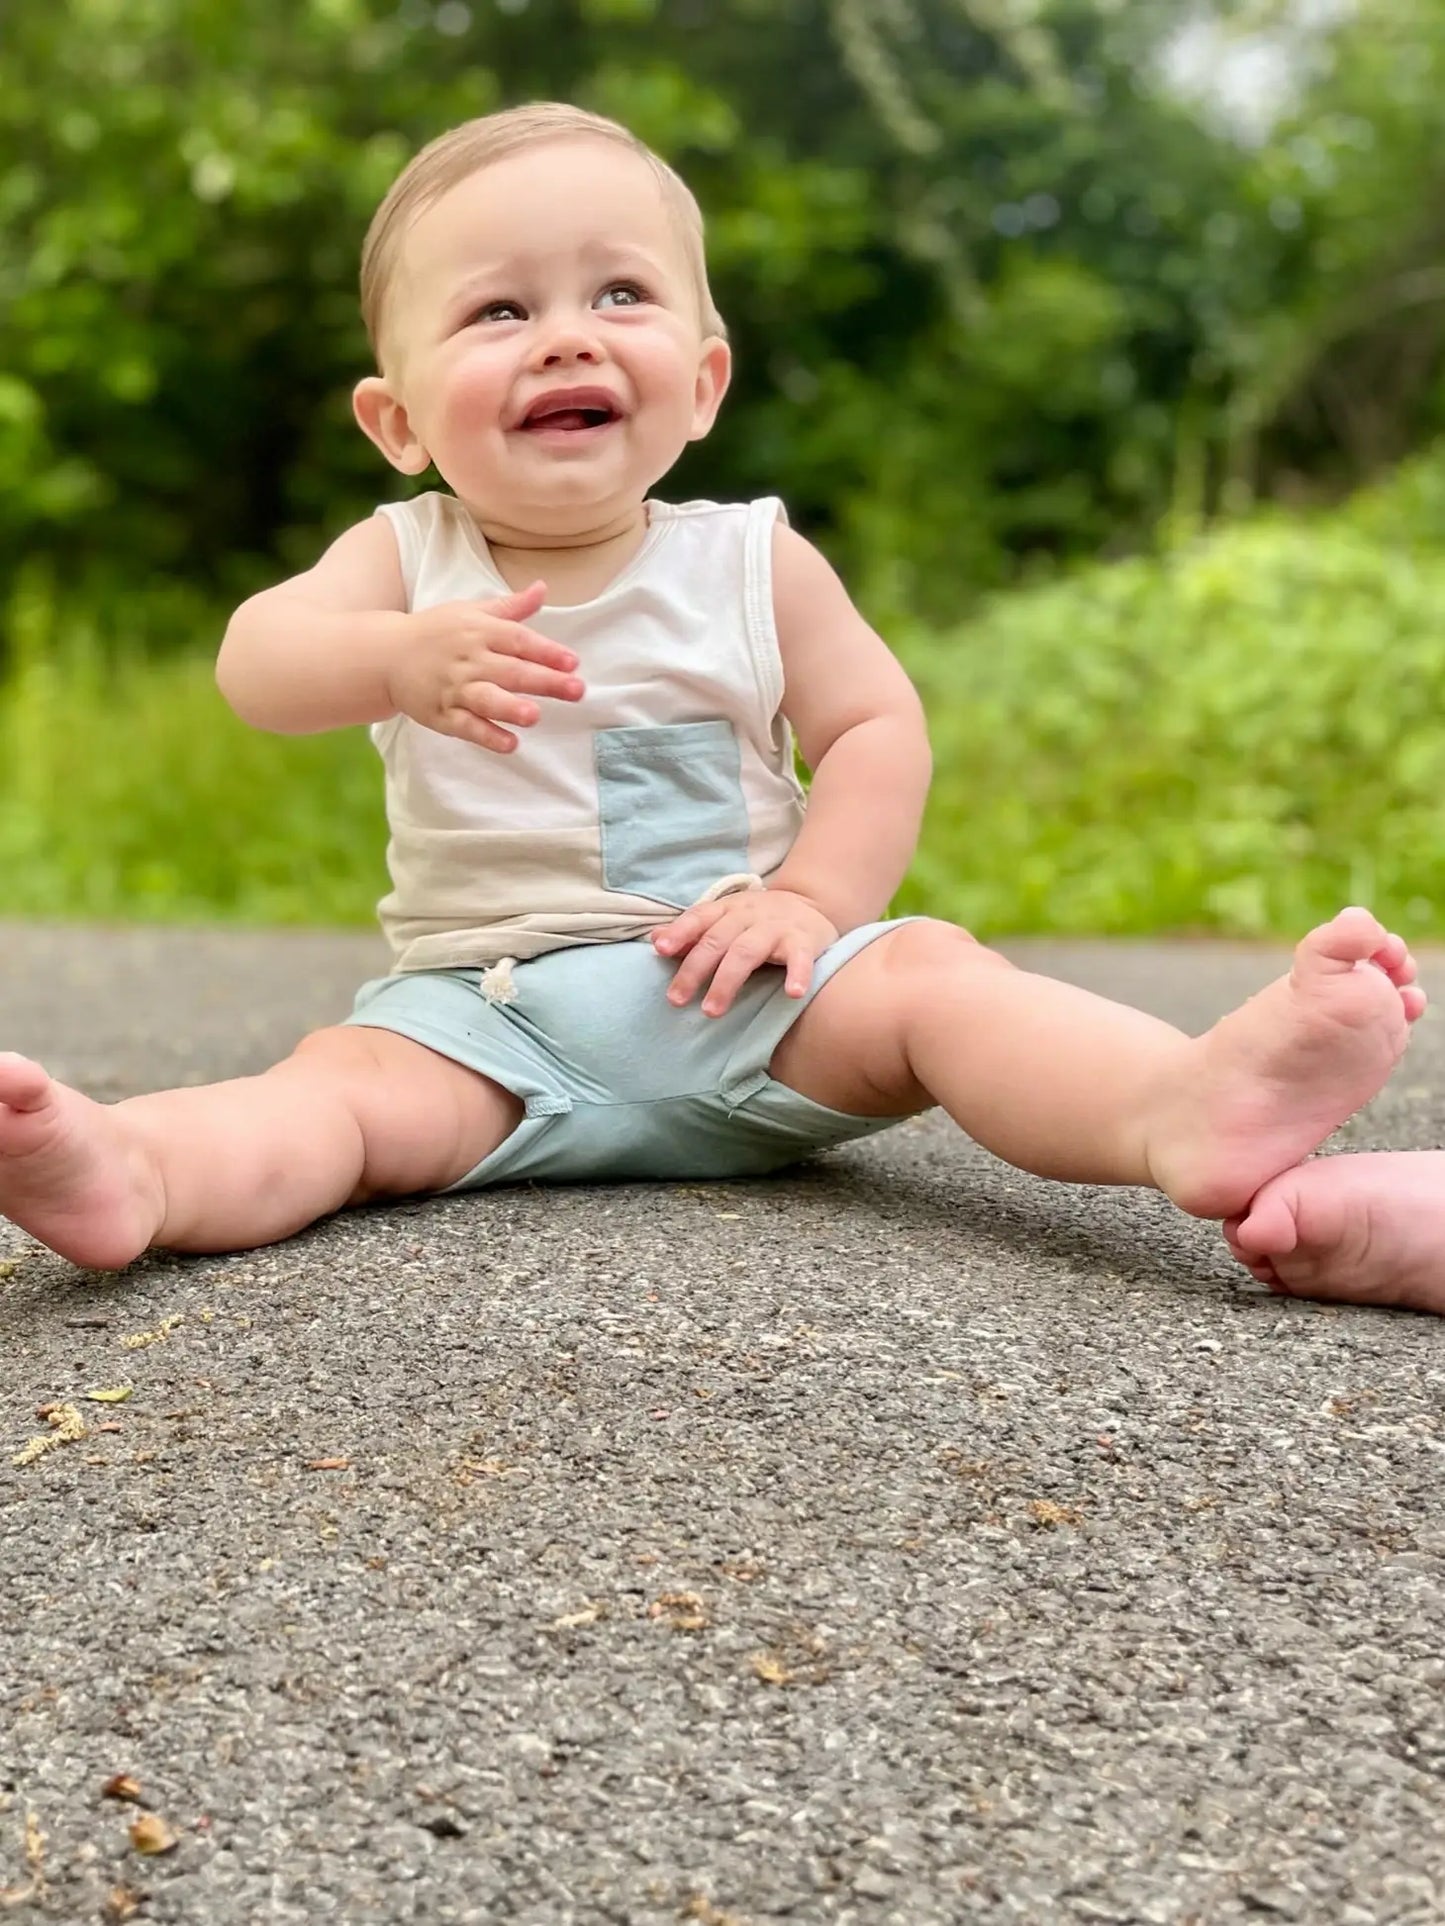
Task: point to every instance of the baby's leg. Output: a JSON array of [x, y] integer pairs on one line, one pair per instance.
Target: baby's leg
[[1068, 1085], [1366, 1229], [353, 1113]]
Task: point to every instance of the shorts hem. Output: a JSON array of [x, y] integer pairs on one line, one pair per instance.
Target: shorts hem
[[747, 1071], [536, 1101]]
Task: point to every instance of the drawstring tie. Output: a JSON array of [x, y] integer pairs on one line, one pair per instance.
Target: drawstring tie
[[496, 983], [733, 885]]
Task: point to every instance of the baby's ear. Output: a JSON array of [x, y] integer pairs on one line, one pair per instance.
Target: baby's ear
[[714, 371], [382, 419]]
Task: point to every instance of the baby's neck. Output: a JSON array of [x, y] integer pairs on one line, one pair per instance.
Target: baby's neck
[[575, 567]]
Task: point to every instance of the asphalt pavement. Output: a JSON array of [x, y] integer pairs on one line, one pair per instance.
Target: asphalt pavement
[[899, 1540]]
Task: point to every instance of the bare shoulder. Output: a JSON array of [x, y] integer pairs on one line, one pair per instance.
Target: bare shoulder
[[360, 570], [802, 573]]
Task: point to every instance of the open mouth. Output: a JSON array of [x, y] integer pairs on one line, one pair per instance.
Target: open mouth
[[572, 413]]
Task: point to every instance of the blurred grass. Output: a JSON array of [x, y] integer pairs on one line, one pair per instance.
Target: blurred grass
[[129, 791], [1236, 737]]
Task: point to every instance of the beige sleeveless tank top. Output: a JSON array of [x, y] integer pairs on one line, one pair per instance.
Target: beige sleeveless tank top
[[613, 813]]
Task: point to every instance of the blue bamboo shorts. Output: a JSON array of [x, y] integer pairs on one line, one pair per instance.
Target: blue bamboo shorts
[[617, 1082]]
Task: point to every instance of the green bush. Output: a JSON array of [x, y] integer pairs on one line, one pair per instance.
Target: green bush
[[1240, 738]]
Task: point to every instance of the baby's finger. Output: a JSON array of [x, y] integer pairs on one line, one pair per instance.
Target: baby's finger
[[670, 941], [752, 949], [798, 958], [467, 727], [678, 936], [527, 644], [689, 977], [534, 678], [519, 604], [492, 704], [701, 960]]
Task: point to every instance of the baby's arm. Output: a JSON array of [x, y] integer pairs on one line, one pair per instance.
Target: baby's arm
[[316, 652], [336, 646], [860, 726]]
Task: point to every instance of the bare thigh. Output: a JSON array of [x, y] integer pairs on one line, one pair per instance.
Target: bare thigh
[[425, 1121], [849, 1048]]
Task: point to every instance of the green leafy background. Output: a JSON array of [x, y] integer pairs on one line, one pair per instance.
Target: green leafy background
[[1115, 396]]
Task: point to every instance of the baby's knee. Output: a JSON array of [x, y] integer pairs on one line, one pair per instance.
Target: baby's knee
[[343, 1050], [425, 1119], [926, 947]]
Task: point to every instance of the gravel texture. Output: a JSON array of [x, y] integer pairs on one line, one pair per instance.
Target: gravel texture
[[901, 1540]]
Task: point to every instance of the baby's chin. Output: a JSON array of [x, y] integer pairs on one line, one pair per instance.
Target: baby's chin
[[563, 502], [555, 521]]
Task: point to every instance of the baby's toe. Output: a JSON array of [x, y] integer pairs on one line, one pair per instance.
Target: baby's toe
[[1394, 958], [1268, 1229], [1354, 936]]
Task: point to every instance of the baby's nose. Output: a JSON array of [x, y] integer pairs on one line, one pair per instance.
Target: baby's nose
[[569, 339], [571, 350]]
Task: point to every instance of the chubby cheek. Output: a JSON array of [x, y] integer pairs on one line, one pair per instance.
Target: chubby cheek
[[676, 375], [473, 396]]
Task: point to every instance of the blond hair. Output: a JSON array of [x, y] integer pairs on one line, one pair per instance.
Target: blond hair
[[454, 156]]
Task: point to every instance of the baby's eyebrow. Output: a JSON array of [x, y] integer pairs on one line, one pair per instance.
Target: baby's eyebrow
[[478, 281], [624, 253], [597, 257]]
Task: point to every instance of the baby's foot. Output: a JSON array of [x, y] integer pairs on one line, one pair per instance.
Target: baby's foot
[[70, 1173], [1365, 1229], [1269, 1082]]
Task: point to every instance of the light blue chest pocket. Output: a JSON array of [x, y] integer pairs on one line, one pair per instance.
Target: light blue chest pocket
[[670, 801]]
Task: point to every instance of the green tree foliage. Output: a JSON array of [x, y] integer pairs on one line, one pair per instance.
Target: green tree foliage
[[999, 293]]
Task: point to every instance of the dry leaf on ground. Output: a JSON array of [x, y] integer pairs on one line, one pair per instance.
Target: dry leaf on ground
[[797, 1656], [770, 1669], [138, 1340], [66, 1426], [35, 1860], [701, 1908], [1046, 1513], [151, 1834], [684, 1611]]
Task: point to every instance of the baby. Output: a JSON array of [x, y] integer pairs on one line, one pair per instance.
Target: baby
[[624, 942]]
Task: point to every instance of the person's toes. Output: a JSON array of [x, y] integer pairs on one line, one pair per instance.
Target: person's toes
[[1395, 958], [1414, 1002], [1349, 938], [1268, 1227], [1259, 1268], [23, 1084]]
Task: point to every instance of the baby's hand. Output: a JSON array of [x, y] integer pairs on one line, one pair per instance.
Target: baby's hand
[[466, 667], [730, 938]]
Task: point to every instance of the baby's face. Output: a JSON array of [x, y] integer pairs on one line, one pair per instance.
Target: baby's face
[[545, 340]]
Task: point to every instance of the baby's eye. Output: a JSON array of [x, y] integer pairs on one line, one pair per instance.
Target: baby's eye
[[500, 311], [621, 294]]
